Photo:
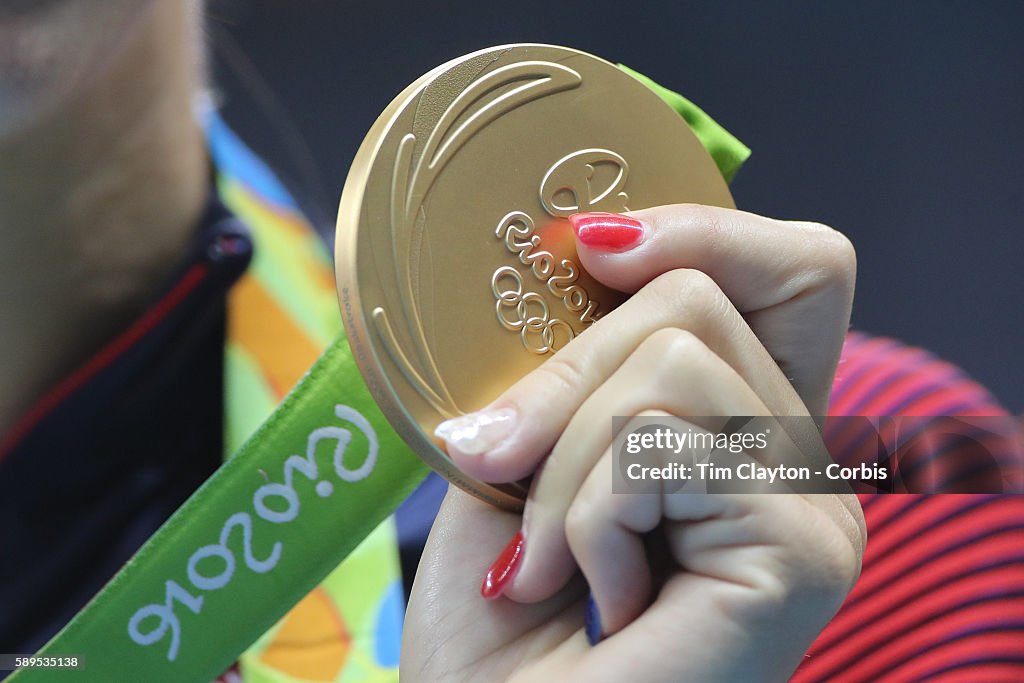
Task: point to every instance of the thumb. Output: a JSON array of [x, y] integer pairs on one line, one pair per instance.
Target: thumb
[[792, 281]]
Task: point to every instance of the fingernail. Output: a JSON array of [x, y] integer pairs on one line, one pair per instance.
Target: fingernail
[[476, 433], [607, 231], [592, 622], [504, 569]]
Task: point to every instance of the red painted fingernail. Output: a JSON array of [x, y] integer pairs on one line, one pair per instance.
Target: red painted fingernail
[[501, 573], [607, 231]]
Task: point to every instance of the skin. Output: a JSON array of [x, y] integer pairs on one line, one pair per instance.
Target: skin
[[733, 314], [103, 174]]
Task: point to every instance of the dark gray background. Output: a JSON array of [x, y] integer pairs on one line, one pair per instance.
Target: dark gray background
[[902, 124]]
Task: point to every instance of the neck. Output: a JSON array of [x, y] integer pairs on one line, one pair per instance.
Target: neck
[[96, 202]]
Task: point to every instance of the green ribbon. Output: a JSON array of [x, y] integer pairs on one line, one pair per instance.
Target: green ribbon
[[727, 151], [313, 481], [320, 474]]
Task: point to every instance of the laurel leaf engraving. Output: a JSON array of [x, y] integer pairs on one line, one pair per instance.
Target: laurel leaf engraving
[[541, 79], [441, 405], [409, 189]]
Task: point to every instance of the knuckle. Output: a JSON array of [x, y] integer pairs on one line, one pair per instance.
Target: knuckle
[[688, 293], [844, 566], [673, 352], [695, 283], [578, 522], [862, 534], [761, 602], [669, 356], [838, 554], [835, 254], [858, 541], [566, 370], [673, 357], [844, 258], [671, 343]]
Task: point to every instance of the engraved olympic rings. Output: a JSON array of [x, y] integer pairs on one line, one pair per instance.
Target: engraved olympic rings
[[536, 329]]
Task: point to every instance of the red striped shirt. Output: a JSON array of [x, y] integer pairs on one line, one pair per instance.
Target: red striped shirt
[[941, 593]]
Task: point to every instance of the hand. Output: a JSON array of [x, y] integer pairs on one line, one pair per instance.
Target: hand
[[734, 314]]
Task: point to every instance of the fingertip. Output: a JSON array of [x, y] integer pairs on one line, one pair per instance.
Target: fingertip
[[613, 248], [503, 570], [482, 444], [478, 432], [609, 232], [616, 568], [520, 574], [547, 566], [493, 468]]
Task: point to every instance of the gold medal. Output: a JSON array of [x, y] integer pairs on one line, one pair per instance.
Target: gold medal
[[457, 269]]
